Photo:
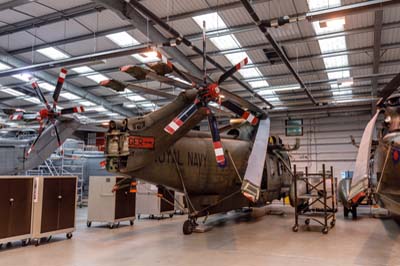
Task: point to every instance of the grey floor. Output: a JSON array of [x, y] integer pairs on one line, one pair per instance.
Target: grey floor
[[263, 240]]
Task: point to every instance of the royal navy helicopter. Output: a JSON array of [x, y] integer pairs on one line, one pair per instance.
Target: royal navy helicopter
[[377, 169], [243, 167]]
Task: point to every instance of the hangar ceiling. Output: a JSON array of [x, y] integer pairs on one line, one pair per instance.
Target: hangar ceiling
[[343, 61]]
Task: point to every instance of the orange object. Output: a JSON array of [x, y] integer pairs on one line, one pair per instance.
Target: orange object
[[358, 196], [138, 142]]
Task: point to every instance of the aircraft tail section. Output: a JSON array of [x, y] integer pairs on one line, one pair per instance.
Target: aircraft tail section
[[48, 143]]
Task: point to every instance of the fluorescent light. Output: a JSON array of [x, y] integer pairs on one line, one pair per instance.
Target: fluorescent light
[[332, 44], [24, 76], [53, 53], [322, 4], [225, 42], [69, 96], [82, 69], [122, 39], [32, 99], [213, 21], [250, 72], [13, 92], [336, 61], [46, 86], [259, 84], [328, 26], [339, 74], [97, 77], [4, 66]]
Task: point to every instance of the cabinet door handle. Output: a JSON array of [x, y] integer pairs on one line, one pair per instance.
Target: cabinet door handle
[[59, 197]]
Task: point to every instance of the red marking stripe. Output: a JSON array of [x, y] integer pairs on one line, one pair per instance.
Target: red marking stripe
[[178, 121], [125, 68], [169, 130], [105, 82]]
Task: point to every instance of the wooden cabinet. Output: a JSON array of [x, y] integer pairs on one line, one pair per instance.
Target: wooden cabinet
[[54, 206], [16, 195], [107, 206]]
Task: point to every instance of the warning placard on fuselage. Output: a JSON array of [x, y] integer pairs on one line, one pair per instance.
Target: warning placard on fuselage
[[139, 142]]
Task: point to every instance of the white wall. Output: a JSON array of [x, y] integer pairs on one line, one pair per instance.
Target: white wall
[[325, 141]]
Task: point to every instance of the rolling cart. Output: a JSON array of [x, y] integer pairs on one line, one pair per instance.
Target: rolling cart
[[318, 203]]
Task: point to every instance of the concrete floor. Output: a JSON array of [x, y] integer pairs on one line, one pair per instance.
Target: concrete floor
[[266, 240]]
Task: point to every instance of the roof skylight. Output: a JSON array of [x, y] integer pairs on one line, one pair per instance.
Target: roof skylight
[[135, 98], [147, 57], [322, 4], [122, 39], [69, 96], [46, 86], [32, 99], [339, 74], [250, 72], [24, 76], [82, 69], [332, 44], [225, 42], [213, 21], [336, 61], [259, 84], [97, 77], [53, 53], [328, 26], [12, 92], [4, 66]]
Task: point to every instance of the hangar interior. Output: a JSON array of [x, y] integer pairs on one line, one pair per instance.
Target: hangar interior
[[150, 120]]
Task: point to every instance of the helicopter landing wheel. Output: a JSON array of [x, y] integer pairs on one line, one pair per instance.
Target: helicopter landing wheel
[[188, 227], [295, 228]]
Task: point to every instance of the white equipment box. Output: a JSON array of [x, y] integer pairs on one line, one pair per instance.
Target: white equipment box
[[107, 206], [154, 201]]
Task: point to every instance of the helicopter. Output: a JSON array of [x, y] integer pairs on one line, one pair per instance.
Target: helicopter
[[241, 167], [377, 169]]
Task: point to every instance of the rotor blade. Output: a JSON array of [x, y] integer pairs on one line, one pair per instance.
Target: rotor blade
[[16, 116], [389, 89], [233, 70], [121, 86], [243, 103], [133, 71], [251, 186], [57, 135], [39, 92], [60, 83], [36, 140], [72, 110], [249, 117], [204, 54], [359, 181], [219, 151], [178, 121]]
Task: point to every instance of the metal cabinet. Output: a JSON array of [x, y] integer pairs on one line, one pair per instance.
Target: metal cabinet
[[107, 206], [154, 200], [54, 206], [16, 195]]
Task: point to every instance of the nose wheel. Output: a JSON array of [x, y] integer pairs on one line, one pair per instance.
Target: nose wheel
[[189, 226]]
